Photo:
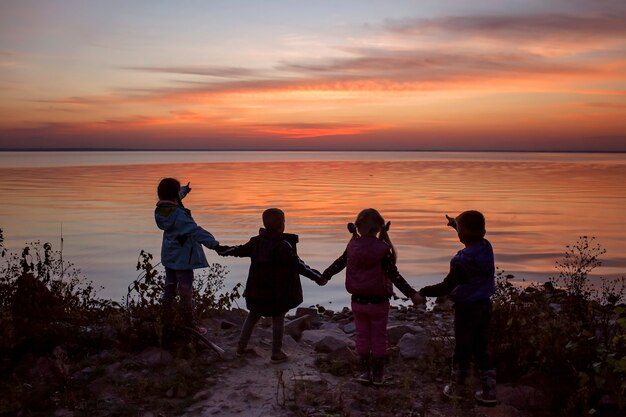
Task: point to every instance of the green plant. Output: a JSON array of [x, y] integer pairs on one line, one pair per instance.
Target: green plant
[[571, 335], [146, 290]]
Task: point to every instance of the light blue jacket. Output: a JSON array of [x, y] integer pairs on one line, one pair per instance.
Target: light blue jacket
[[182, 237]]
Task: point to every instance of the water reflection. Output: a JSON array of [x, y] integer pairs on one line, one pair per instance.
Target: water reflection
[[534, 206]]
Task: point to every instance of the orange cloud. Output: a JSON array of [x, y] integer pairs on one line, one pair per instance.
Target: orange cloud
[[311, 130]]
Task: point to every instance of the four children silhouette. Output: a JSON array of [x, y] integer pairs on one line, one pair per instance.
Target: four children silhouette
[[273, 286]]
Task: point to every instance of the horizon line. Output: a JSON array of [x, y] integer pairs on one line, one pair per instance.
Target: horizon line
[[306, 150]]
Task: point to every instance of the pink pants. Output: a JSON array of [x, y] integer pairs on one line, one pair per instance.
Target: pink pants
[[371, 328]]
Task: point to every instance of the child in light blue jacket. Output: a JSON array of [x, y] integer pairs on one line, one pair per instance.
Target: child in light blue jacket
[[181, 251]]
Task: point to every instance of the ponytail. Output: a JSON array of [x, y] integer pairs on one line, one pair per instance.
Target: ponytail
[[352, 229], [384, 236]]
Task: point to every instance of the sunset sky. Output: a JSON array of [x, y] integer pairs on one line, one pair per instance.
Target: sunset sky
[[349, 74]]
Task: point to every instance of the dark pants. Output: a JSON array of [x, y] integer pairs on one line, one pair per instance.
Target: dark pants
[[471, 326], [178, 281], [278, 329]]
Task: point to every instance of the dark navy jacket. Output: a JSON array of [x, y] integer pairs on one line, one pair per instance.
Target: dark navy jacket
[[273, 286], [471, 277]]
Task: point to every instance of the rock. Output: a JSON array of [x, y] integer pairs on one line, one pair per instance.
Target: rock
[[443, 304], [307, 311], [307, 379], [329, 344], [344, 354], [62, 412], [225, 325], [295, 327], [555, 307], [103, 389], [522, 397], [332, 327], [349, 328], [395, 333], [154, 356], [413, 346], [236, 315], [311, 337], [201, 395], [290, 344], [84, 374]]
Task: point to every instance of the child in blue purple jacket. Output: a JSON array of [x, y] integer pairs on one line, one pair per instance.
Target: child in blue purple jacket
[[470, 284]]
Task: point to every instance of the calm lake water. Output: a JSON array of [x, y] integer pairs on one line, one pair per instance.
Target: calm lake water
[[535, 204]]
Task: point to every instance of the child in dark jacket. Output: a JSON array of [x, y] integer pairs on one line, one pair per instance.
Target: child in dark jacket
[[181, 250], [371, 271], [470, 284], [273, 286]]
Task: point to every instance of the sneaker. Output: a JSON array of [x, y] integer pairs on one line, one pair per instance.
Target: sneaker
[[363, 377], [200, 329], [452, 392], [279, 357], [485, 400], [243, 351], [487, 396]]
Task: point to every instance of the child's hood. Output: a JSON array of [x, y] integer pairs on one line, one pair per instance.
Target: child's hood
[[165, 214]]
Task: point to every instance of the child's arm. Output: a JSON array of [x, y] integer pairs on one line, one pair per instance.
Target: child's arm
[[455, 277], [391, 270], [336, 267], [240, 251], [307, 271], [188, 227], [184, 190], [451, 222]]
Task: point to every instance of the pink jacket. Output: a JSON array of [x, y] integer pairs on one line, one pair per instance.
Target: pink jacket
[[364, 274]]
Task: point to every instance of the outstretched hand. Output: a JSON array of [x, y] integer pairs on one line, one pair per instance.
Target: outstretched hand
[[451, 222], [188, 187], [321, 281]]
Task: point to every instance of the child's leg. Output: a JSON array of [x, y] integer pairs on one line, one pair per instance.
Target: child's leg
[[379, 314], [169, 289], [481, 338], [247, 328], [487, 394], [464, 343], [363, 341], [278, 330], [185, 291], [363, 331], [167, 299]]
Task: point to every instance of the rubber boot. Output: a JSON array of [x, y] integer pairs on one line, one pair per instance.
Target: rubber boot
[[487, 396], [378, 369], [365, 370], [455, 390]]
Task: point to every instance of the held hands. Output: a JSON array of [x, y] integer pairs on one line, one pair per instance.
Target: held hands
[[219, 249], [323, 279]]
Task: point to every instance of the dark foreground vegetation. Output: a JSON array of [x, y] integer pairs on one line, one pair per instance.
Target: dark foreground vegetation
[[64, 351]]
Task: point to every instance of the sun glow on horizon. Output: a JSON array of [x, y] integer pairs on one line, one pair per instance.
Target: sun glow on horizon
[[439, 76]]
